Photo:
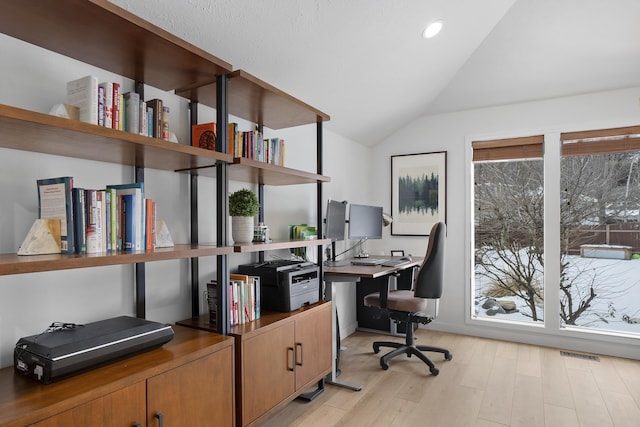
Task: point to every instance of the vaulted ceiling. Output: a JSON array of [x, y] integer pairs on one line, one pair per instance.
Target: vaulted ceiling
[[365, 64]]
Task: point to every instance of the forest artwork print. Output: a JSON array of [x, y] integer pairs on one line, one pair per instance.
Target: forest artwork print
[[418, 192]]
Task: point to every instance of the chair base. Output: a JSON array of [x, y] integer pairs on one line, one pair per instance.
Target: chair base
[[409, 348]]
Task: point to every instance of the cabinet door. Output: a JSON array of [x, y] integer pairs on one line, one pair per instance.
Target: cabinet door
[[124, 407], [313, 344], [267, 371], [199, 393]]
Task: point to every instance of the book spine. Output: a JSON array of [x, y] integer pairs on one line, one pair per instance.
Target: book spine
[[102, 224], [101, 102], [112, 224], [115, 110], [149, 225], [79, 217], [142, 110], [108, 103], [165, 123], [91, 232], [132, 108], [129, 222]]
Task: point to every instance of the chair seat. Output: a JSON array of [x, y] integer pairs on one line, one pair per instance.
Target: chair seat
[[399, 300]]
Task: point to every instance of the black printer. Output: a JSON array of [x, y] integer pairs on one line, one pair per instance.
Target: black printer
[[285, 285], [65, 349]]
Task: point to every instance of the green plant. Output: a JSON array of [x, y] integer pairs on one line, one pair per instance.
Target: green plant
[[243, 203]]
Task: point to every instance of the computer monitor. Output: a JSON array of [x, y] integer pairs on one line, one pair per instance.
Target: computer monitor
[[365, 222], [336, 219]]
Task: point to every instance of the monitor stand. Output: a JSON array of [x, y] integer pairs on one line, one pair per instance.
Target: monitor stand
[[363, 250], [331, 262]]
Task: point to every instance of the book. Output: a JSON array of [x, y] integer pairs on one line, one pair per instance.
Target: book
[[79, 220], [150, 225], [108, 103], [83, 93], [101, 101], [204, 136], [136, 189], [92, 222], [116, 106], [156, 121], [142, 108], [55, 201], [132, 112], [212, 299], [112, 219], [129, 222], [232, 136], [165, 123]]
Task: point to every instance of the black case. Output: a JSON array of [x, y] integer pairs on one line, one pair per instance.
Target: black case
[[51, 356]]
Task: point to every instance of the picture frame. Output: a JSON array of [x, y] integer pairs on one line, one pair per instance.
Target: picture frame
[[418, 192]]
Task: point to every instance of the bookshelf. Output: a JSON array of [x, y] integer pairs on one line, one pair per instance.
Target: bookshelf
[[138, 51]]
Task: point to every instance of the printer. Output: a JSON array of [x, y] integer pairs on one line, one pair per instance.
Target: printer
[[285, 285]]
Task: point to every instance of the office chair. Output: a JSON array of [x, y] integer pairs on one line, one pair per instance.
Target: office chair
[[419, 305]]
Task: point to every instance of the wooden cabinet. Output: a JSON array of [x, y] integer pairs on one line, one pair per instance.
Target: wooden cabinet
[[189, 381], [123, 407], [279, 357]]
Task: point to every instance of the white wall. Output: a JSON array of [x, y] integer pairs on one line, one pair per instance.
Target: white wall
[[452, 133]]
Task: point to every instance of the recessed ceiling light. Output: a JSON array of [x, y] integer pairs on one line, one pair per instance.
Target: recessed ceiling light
[[432, 29]]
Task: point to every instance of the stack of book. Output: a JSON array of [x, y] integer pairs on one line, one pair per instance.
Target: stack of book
[[117, 218], [104, 104], [252, 145], [244, 299]]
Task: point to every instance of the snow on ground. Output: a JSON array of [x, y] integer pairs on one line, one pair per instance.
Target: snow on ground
[[616, 282]]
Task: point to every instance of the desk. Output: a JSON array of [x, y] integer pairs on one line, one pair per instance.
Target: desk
[[353, 273]]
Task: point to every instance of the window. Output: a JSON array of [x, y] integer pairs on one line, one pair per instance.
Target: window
[[508, 229], [600, 230]]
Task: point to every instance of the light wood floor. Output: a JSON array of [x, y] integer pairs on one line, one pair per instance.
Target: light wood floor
[[488, 383]]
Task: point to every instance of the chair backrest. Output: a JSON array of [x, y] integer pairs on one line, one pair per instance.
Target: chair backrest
[[430, 277]]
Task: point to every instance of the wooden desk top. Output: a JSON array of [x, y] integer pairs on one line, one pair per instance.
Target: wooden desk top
[[370, 271]]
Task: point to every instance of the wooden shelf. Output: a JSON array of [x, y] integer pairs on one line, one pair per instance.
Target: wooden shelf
[[14, 264], [247, 170], [256, 101], [30, 131], [104, 35], [283, 244]]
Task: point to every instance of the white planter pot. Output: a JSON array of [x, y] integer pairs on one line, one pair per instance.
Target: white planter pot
[[242, 229]]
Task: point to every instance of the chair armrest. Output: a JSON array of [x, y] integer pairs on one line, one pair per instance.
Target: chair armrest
[[384, 290]]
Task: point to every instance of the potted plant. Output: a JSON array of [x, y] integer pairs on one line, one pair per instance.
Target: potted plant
[[243, 207]]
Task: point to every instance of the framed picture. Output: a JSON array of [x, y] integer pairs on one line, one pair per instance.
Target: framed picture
[[418, 192]]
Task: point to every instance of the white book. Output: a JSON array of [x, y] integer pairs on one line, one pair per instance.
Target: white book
[[108, 103], [83, 93]]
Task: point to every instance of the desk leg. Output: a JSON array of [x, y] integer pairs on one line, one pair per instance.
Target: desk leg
[[334, 350]]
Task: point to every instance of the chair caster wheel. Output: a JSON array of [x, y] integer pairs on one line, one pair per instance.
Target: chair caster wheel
[[376, 349], [448, 356], [434, 371], [384, 365]]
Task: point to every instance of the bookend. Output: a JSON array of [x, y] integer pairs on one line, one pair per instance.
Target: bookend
[[163, 237], [43, 238]]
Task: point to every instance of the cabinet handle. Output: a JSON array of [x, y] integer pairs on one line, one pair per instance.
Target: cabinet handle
[[137, 425], [160, 418], [299, 346], [291, 359]]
